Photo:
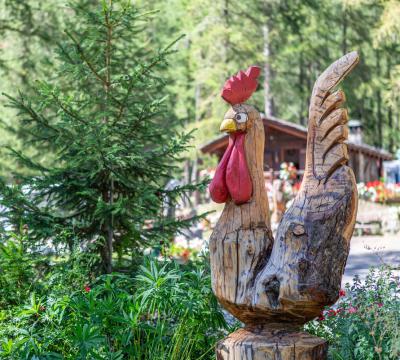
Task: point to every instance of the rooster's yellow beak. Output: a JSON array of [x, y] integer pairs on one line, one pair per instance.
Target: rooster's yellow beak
[[228, 125]]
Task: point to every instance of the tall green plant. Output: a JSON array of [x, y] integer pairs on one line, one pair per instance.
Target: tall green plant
[[112, 140], [116, 318], [17, 277]]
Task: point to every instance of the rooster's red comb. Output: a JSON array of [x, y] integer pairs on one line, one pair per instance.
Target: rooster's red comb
[[240, 87]]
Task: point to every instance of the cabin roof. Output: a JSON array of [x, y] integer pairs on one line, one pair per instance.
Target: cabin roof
[[298, 131]]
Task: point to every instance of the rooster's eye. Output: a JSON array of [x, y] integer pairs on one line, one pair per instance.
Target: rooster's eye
[[241, 118]]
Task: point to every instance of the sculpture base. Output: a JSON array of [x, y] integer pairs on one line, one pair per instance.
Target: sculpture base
[[272, 343]]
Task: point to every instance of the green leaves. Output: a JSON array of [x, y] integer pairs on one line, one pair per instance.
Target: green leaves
[[163, 311], [364, 324], [16, 273], [87, 338], [157, 287], [114, 145]]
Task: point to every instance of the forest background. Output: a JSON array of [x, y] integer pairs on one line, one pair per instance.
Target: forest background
[[293, 41]]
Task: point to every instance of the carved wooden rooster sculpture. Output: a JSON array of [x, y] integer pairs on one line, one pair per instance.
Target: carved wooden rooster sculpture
[[275, 286]]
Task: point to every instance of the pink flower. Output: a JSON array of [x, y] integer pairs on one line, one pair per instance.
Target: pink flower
[[352, 310], [87, 288], [342, 293], [379, 304]]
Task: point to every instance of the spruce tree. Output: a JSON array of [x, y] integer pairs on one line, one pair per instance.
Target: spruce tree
[[114, 145]]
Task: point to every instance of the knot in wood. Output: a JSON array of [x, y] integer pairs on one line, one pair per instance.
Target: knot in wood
[[299, 230], [250, 249]]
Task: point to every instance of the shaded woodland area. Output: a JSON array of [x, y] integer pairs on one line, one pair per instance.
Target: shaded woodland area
[[292, 40]]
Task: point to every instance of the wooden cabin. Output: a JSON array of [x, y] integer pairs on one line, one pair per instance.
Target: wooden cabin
[[286, 142]]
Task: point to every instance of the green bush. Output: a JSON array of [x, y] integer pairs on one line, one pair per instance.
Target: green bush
[[164, 311], [17, 275], [365, 323]]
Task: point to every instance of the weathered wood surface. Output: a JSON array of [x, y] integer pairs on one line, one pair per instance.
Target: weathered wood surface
[[271, 344], [291, 280], [276, 286], [242, 240], [312, 243]]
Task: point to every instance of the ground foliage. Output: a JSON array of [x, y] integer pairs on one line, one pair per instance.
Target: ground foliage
[[365, 323], [160, 311], [58, 308]]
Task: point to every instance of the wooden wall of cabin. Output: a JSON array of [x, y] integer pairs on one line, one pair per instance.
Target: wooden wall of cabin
[[282, 147], [354, 163], [366, 167]]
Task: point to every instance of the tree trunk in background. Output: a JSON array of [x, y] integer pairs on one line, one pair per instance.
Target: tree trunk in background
[[225, 18], [195, 179], [196, 160], [390, 112], [110, 226], [106, 255], [379, 117], [267, 73], [344, 32], [303, 101], [379, 102]]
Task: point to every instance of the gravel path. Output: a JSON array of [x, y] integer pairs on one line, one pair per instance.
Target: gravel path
[[367, 251]]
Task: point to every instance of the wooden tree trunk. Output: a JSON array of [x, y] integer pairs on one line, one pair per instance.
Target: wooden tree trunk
[[261, 343], [276, 286], [267, 72]]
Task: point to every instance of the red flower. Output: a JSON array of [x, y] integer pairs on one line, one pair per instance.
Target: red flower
[[321, 317], [87, 288], [342, 293], [339, 311], [379, 304], [185, 254], [296, 186], [331, 312]]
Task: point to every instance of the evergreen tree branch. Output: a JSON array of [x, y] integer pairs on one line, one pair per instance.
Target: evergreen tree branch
[[68, 111], [145, 70], [26, 108], [85, 59], [27, 161]]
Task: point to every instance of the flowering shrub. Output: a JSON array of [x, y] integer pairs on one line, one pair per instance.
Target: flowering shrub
[[378, 191], [287, 171], [365, 323], [184, 254]]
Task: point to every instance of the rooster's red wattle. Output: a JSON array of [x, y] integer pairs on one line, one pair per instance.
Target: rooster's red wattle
[[232, 177]]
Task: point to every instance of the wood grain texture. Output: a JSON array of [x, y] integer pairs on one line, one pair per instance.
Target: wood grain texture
[[271, 344], [288, 281], [242, 240], [303, 274]]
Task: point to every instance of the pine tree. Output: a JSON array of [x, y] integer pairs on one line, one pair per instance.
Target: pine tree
[[28, 31], [113, 145]]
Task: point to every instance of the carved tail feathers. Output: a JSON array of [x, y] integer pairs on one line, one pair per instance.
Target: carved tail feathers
[[310, 251], [327, 129]]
